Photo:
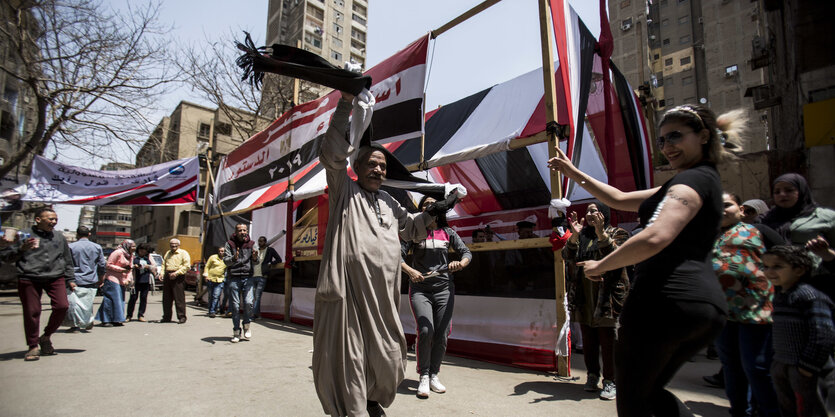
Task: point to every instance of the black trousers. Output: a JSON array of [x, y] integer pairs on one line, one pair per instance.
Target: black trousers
[[174, 291], [656, 337], [140, 292]]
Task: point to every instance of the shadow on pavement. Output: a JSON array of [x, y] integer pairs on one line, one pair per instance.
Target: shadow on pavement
[[215, 339], [706, 409], [554, 391], [19, 354], [408, 387], [292, 328]]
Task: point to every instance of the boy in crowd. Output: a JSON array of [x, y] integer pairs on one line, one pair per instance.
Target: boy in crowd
[[803, 332]]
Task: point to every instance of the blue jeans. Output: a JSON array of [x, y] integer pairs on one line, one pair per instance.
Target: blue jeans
[[235, 284], [258, 284], [215, 290], [745, 351]]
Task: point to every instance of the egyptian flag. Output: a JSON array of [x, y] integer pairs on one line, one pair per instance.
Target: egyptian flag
[[258, 171]]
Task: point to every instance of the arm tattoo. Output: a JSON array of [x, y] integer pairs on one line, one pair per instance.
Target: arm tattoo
[[675, 196]]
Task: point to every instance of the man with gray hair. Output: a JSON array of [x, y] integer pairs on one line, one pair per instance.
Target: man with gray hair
[[175, 264], [89, 268], [359, 350]]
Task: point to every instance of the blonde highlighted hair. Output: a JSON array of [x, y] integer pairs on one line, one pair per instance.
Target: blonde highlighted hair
[[725, 132]]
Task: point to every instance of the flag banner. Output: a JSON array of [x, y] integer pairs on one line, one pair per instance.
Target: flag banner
[[258, 170], [166, 184]]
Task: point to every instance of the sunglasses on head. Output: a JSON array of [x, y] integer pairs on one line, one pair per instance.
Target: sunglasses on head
[[671, 138]]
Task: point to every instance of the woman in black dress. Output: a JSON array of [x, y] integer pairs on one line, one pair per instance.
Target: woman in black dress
[[676, 306]]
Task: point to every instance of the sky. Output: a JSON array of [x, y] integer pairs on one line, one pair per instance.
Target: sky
[[496, 45]]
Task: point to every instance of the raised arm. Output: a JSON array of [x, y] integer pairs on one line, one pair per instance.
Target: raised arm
[[678, 207], [611, 196]]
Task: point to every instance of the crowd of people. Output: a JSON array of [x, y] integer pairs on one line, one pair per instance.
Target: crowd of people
[[703, 268]]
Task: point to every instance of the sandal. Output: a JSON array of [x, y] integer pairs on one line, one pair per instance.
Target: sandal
[[46, 346], [32, 355]]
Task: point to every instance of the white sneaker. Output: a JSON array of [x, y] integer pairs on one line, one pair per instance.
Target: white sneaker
[[247, 332], [423, 387], [236, 336], [436, 384], [609, 391]]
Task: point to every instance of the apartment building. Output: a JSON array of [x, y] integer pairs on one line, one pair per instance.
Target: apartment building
[[333, 29], [191, 130], [112, 224]]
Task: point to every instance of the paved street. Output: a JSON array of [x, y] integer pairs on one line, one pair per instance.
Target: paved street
[[154, 369]]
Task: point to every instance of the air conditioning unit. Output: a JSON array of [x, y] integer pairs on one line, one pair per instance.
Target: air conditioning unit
[[626, 26], [730, 74]]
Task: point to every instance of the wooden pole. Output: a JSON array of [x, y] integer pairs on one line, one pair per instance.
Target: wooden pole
[[464, 16], [288, 258], [556, 183]]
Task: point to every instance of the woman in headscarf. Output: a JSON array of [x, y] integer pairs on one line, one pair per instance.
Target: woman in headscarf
[[117, 274], [800, 221], [595, 303]]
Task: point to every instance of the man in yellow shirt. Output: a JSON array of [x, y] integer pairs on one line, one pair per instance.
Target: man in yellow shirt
[[176, 263], [214, 272]]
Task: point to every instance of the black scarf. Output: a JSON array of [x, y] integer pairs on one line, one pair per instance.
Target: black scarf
[[297, 63], [779, 218], [588, 237]]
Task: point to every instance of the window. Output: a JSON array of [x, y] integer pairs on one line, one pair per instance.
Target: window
[[338, 16], [668, 62], [359, 9], [670, 101], [665, 22], [336, 55], [313, 40], [203, 130], [685, 60], [662, 103], [731, 70], [358, 34], [659, 78], [687, 80], [223, 129], [665, 41], [684, 39], [683, 19], [357, 60], [336, 41], [357, 45], [316, 13], [6, 125], [624, 4], [339, 3], [337, 28], [656, 56], [357, 18]]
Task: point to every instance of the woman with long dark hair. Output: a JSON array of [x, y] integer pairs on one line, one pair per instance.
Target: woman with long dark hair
[[117, 274], [596, 303], [675, 307], [144, 267]]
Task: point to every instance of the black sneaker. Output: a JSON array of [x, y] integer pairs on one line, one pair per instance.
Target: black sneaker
[[375, 409]]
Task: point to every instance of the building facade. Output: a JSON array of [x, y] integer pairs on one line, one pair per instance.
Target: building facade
[[697, 52], [112, 224], [191, 130], [334, 29]]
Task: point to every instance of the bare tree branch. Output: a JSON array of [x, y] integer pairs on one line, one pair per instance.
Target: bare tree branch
[[94, 73]]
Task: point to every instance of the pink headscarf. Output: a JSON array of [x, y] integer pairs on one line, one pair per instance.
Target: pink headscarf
[[126, 244]]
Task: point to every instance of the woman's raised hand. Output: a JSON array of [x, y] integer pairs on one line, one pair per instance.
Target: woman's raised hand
[[573, 224], [562, 164]]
